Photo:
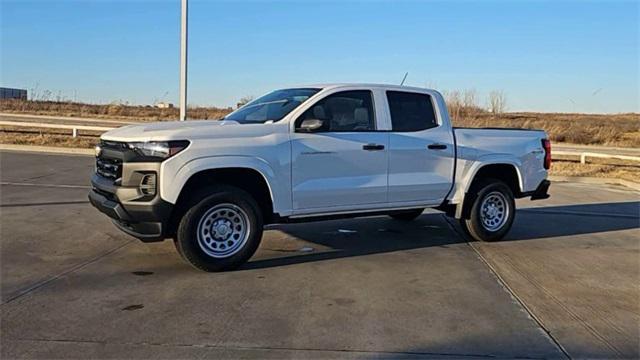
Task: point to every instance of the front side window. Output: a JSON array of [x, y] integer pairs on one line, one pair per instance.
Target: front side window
[[345, 111], [271, 107], [411, 111]]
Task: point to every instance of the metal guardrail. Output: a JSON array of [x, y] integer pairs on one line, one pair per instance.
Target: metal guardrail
[[74, 128], [583, 155], [14, 116]]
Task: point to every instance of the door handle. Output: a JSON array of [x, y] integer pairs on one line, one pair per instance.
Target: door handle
[[373, 147], [436, 146]]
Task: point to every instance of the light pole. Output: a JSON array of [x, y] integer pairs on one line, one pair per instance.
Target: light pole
[[183, 61]]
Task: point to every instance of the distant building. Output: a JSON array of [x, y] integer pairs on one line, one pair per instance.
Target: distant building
[[9, 93], [164, 105]]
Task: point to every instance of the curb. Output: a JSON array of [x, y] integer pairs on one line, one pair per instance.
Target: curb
[[596, 181], [47, 149]]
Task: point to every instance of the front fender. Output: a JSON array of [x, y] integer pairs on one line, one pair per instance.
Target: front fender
[[174, 177]]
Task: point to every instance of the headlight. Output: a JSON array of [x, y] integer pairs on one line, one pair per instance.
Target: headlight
[[158, 149]]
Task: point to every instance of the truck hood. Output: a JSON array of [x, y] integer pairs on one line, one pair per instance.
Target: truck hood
[[181, 130]]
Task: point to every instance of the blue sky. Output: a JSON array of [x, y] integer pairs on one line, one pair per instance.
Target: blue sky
[[554, 56]]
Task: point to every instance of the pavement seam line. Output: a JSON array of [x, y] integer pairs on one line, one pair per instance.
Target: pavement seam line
[[74, 268], [577, 213], [45, 185], [268, 348], [520, 301], [58, 203], [590, 329], [511, 292]]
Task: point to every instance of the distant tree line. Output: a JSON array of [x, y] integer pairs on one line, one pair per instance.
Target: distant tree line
[[466, 103]]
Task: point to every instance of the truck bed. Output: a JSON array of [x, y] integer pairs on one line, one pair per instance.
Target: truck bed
[[499, 140], [520, 147]]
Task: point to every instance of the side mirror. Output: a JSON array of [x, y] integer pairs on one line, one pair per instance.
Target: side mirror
[[311, 125]]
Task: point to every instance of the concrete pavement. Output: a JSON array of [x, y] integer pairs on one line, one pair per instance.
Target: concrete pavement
[[565, 282]]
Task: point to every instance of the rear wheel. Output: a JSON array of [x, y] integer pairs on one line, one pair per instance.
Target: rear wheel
[[221, 231], [407, 215], [492, 211]]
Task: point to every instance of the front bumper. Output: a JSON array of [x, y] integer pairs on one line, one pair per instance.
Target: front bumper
[[138, 216]]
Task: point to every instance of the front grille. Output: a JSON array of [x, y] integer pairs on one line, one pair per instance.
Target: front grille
[[109, 162], [109, 168]]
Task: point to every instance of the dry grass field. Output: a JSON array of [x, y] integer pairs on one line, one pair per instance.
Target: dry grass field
[[621, 130], [107, 111]]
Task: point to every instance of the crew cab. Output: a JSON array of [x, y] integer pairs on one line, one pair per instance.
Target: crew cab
[[311, 153]]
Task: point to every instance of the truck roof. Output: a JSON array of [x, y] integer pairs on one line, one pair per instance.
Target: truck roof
[[366, 85]]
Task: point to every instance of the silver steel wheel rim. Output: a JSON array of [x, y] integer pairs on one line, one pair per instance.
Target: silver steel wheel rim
[[494, 211], [223, 230]]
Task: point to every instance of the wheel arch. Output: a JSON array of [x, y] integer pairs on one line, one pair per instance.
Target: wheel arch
[[174, 177], [507, 172], [248, 178]]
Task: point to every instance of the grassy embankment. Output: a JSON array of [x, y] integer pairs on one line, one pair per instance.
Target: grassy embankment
[[52, 137]]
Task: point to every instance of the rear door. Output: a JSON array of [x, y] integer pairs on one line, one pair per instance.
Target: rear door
[[343, 164], [421, 149]]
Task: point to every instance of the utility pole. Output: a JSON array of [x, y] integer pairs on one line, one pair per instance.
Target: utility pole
[[183, 61]]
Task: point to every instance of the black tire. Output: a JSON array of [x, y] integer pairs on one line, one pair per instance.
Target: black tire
[[175, 243], [187, 240], [473, 226], [406, 215]]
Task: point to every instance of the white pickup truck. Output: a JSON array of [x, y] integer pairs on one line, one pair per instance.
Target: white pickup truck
[[311, 153]]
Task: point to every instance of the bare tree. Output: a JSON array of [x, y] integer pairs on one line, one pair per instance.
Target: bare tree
[[244, 100], [454, 103], [470, 102], [497, 102]]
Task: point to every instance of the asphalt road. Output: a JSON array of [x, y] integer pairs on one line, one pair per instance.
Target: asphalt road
[[565, 282]]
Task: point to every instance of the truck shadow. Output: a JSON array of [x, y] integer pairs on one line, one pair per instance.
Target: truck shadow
[[375, 235], [556, 221]]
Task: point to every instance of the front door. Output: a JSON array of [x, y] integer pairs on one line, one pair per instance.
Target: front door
[[343, 163]]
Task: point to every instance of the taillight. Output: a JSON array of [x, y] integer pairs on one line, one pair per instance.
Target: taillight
[[546, 144]]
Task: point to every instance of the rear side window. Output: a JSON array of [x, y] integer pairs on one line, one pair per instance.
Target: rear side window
[[411, 111]]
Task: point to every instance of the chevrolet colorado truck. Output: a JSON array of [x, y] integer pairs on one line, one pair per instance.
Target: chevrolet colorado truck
[[312, 153]]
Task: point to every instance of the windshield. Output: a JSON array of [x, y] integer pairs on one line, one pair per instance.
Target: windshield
[[271, 107]]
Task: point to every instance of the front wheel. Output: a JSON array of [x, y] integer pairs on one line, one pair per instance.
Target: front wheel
[[492, 211], [221, 231]]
